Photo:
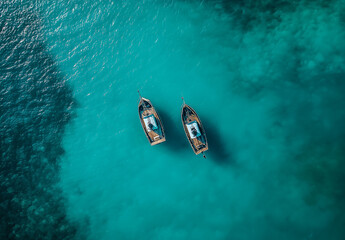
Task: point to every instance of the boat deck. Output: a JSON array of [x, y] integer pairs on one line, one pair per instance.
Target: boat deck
[[199, 144], [196, 141], [146, 109], [153, 135]]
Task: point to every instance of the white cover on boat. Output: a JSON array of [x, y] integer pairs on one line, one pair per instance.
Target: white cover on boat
[[150, 120], [191, 126]]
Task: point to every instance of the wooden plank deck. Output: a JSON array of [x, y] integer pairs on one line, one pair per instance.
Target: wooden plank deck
[[152, 134], [195, 143], [154, 137]]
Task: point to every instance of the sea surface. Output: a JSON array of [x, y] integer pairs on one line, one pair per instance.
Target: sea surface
[[266, 77]]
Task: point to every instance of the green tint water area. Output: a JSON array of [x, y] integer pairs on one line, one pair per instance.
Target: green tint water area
[[267, 81]]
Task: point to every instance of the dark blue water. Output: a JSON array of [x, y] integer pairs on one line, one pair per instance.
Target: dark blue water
[[35, 105], [266, 77]]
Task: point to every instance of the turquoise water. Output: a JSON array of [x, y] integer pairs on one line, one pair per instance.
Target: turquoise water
[[266, 78]]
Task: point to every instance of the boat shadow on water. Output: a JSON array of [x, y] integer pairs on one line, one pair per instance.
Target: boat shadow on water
[[217, 146], [176, 139]]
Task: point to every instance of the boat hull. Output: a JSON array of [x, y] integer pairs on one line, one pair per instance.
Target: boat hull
[[155, 132], [191, 120]]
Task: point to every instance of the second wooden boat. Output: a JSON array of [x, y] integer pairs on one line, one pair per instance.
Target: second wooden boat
[[194, 130], [150, 122]]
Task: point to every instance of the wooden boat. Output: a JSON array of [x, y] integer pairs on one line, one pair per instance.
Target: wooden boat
[[150, 122], [194, 130]]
